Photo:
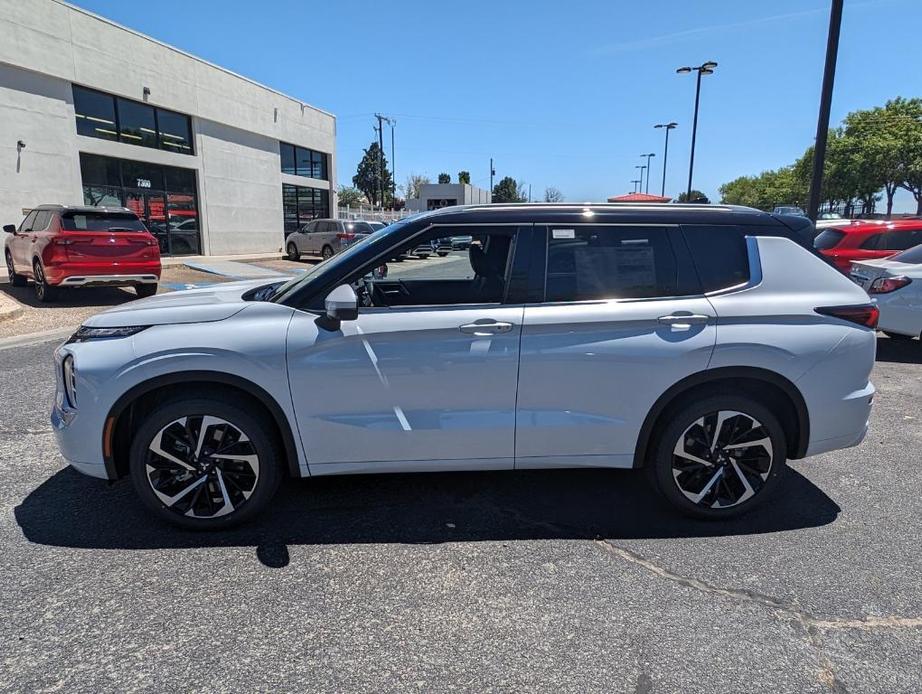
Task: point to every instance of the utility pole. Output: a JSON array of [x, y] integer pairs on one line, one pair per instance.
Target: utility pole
[[822, 123], [492, 174], [380, 130]]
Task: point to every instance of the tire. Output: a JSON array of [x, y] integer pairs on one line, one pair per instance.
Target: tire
[[681, 479], [897, 336], [442, 254], [145, 290], [249, 482], [44, 292], [293, 253], [16, 280], [327, 252]]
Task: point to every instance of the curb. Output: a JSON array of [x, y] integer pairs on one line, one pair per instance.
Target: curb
[[9, 308]]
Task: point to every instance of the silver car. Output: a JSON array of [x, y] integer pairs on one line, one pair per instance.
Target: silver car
[[325, 237]]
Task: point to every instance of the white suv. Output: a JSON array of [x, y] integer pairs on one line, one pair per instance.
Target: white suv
[[703, 343]]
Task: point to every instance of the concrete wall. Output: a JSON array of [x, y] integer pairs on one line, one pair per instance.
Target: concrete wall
[[45, 45], [464, 193]]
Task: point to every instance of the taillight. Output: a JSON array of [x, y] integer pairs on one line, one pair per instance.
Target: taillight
[[864, 314], [345, 236], [885, 285], [60, 241]]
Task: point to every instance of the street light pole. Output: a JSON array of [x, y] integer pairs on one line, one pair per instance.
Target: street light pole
[[668, 127], [393, 164], [649, 157], [492, 174], [635, 182], [822, 123], [641, 167], [703, 69]]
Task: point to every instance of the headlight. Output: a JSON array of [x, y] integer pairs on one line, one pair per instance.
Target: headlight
[[86, 333], [70, 380]]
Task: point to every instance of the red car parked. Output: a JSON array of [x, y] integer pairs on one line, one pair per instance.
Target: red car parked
[[58, 246], [867, 240]]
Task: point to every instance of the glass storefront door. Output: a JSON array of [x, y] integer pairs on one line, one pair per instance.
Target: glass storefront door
[[163, 197]]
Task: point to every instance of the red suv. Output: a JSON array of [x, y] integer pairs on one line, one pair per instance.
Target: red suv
[[58, 246], [867, 240]]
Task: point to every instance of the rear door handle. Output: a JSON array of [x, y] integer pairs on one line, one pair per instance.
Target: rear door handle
[[486, 328], [681, 321]]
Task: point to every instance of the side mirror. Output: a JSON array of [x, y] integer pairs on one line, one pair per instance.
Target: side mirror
[[9, 228], [341, 304]]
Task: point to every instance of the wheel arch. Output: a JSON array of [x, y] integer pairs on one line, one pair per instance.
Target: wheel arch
[[120, 421], [768, 387]]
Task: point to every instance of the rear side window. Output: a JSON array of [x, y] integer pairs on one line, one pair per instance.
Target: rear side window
[[828, 238], [101, 221], [719, 254], [872, 242], [42, 220], [604, 262]]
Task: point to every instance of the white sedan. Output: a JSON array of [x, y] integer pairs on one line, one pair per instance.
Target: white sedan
[[896, 283]]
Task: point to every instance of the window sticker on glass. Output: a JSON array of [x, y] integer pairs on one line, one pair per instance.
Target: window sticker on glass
[[563, 233]]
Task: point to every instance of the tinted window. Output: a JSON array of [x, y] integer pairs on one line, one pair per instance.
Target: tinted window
[[719, 254], [300, 205], [828, 238], [95, 114], [136, 122], [899, 240], [287, 154], [175, 131], [100, 221], [871, 242], [598, 262]]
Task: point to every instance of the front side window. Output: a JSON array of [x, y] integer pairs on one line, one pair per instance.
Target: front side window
[[899, 240], [587, 263], [42, 220], [27, 222]]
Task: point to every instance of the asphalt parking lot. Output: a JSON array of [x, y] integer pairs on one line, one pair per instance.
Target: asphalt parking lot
[[565, 580]]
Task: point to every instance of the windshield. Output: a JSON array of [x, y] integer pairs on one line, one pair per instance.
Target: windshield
[[827, 239], [913, 256], [380, 238]]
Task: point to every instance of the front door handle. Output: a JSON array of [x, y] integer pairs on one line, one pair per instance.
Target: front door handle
[[485, 328], [680, 321]]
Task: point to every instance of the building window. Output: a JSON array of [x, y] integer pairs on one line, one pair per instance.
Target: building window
[[95, 114], [301, 161], [164, 197], [300, 205], [113, 118]]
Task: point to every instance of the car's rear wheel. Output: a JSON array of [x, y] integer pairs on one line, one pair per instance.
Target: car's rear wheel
[[205, 463], [718, 457], [44, 292], [293, 252], [145, 290], [327, 252], [442, 254], [15, 279]]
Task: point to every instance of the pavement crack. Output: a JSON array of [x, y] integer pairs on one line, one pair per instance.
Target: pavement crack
[[811, 622]]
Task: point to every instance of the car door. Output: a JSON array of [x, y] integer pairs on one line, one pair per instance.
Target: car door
[[409, 387], [301, 237], [20, 242], [621, 320]]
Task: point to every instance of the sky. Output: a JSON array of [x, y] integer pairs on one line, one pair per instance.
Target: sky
[[559, 94]]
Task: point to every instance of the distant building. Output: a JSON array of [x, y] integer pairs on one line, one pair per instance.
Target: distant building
[[638, 197], [94, 113], [433, 196]]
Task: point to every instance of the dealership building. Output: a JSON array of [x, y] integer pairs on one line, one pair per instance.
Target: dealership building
[[94, 113]]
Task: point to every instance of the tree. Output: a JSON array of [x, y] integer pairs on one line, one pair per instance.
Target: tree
[[464, 177], [695, 196], [507, 190], [414, 184], [368, 179], [351, 197], [444, 178], [551, 194]]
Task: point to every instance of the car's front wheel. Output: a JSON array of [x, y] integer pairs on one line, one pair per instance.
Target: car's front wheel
[[205, 463], [15, 279], [718, 457]]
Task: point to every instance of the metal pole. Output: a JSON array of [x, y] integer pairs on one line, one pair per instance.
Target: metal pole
[[665, 155], [822, 123], [691, 160], [380, 130], [492, 173], [393, 165]]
